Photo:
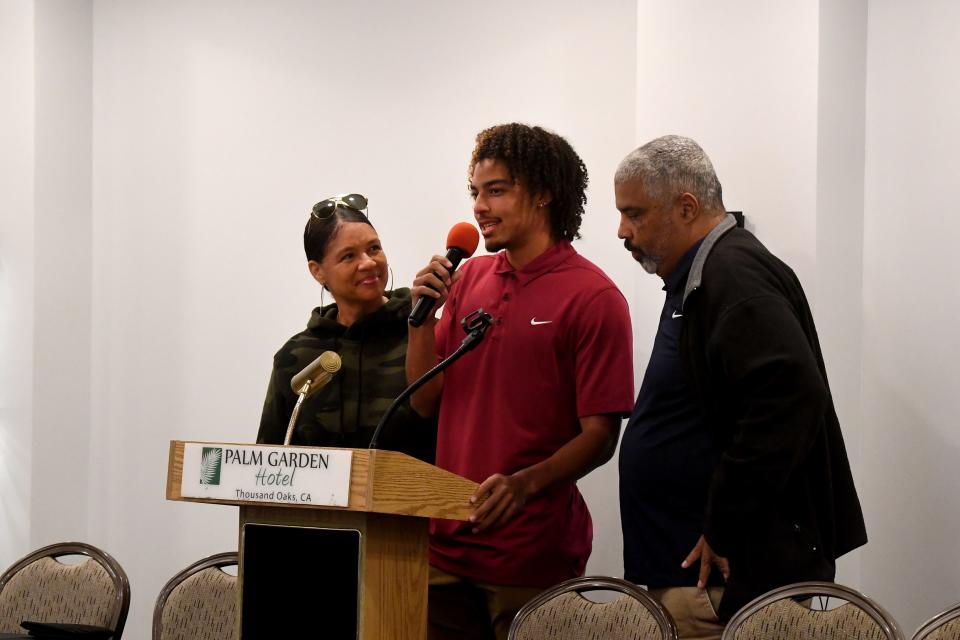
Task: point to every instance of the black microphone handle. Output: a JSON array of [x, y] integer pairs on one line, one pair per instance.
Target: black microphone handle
[[425, 304], [469, 343]]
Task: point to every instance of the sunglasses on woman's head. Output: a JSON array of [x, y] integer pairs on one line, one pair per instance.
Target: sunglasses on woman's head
[[325, 208]]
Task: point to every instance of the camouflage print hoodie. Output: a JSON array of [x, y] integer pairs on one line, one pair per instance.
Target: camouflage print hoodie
[[346, 411]]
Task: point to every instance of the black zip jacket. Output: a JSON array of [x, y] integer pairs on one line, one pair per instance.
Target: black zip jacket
[[782, 505]]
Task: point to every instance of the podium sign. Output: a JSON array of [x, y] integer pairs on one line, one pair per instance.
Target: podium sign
[[283, 475]]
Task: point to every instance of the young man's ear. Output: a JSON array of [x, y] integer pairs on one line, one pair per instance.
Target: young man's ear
[[542, 200]]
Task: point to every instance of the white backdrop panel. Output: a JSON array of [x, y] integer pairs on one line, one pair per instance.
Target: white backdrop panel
[[16, 275]]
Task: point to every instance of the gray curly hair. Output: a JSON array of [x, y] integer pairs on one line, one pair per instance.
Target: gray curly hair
[[671, 165]]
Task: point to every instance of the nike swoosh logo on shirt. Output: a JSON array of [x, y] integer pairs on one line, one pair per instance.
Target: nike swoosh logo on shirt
[[676, 315], [534, 322]]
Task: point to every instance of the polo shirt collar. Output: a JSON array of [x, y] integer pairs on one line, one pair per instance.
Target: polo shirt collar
[[675, 281], [545, 262]]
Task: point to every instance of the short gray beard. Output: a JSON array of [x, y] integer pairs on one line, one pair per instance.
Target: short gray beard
[[647, 262], [649, 265]]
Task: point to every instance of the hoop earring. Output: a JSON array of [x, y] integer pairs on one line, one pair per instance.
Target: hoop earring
[[322, 289], [390, 282]]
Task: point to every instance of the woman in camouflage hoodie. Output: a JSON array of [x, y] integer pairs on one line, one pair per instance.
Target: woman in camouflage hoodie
[[366, 325]]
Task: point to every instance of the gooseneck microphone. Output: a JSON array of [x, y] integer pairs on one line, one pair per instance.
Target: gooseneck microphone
[[314, 376], [475, 324], [462, 241]]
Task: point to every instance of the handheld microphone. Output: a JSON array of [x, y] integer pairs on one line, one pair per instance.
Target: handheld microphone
[[314, 377], [462, 241]]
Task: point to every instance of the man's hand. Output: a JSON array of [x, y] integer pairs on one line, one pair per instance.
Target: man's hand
[[434, 281], [707, 559], [505, 497]]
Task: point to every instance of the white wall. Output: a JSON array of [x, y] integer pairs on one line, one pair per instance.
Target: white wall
[[217, 125], [740, 77], [45, 240], [16, 275], [63, 89], [911, 295], [838, 305]]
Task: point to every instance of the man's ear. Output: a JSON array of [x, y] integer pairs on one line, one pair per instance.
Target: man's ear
[[689, 207], [542, 200]]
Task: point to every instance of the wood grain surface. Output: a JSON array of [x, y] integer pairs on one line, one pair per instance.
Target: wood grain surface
[[380, 481]]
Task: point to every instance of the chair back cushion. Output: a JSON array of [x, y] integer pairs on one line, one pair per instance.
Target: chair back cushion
[[48, 590], [570, 616], [788, 620], [947, 631], [202, 607]]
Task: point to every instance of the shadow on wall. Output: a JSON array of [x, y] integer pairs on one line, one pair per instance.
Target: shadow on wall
[[14, 482], [14, 451], [5, 307], [600, 489], [909, 496]]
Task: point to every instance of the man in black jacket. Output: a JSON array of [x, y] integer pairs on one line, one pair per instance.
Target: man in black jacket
[[733, 455]]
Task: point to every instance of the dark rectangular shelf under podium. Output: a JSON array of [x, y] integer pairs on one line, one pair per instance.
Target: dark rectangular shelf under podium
[[300, 582]]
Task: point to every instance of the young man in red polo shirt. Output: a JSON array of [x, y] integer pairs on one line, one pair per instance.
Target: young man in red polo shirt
[[538, 404]]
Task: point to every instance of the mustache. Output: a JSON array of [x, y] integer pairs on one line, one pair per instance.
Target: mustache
[[629, 247]]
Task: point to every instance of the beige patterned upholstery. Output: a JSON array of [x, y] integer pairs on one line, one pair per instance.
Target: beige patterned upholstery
[[562, 613], [789, 620], [948, 631], [199, 603], [943, 626], [777, 615], [39, 587]]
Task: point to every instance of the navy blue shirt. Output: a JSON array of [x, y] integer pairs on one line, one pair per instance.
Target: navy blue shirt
[[667, 457]]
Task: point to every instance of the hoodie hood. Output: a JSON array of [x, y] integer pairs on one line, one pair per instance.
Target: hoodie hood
[[323, 320]]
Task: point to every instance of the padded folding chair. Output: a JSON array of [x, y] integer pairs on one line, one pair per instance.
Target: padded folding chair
[[943, 626], [199, 603], [778, 614], [563, 613], [42, 588]]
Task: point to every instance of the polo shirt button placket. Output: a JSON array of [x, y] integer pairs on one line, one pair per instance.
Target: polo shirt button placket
[[505, 298]]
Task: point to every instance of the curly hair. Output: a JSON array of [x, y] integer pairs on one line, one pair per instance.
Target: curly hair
[[544, 163]]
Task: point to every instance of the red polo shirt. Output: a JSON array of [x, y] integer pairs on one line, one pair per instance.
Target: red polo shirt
[[560, 348]]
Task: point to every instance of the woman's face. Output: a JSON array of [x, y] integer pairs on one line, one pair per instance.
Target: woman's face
[[354, 267]]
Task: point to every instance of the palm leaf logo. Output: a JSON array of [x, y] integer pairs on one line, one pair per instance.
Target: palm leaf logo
[[210, 465]]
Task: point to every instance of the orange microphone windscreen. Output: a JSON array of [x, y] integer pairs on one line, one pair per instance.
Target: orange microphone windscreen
[[463, 236]]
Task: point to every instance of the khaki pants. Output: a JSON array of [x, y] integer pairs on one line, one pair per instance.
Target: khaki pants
[[693, 609], [459, 609]]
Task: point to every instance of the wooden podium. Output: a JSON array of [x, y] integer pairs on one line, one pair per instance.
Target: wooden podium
[[369, 559]]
